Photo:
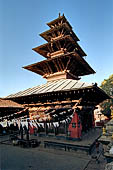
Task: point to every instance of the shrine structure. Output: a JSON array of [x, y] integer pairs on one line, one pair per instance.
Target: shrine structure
[[64, 105], [10, 110]]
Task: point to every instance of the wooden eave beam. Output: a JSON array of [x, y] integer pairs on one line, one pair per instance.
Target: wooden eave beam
[[46, 68], [62, 64], [83, 62], [34, 68], [69, 47], [62, 32], [56, 65], [64, 26], [51, 71], [74, 76], [64, 45], [45, 105], [83, 107], [49, 46], [58, 45], [59, 19], [53, 35], [69, 61], [59, 63], [72, 67]]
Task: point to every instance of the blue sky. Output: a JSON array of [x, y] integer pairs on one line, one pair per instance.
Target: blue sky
[[21, 23]]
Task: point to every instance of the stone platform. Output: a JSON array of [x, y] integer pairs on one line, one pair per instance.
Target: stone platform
[[60, 142], [86, 144]]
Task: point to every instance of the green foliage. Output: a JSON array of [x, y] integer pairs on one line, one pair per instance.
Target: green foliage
[[107, 86]]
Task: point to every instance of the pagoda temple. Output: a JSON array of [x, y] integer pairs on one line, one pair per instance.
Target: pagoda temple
[[64, 105]]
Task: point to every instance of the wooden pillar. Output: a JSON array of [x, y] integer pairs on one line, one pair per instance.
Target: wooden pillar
[[93, 120], [75, 127], [27, 135], [21, 132], [54, 130], [27, 131], [45, 127], [65, 129]]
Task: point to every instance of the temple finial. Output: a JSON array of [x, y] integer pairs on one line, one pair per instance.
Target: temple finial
[[59, 14]]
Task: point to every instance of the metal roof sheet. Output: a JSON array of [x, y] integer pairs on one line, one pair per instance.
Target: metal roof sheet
[[56, 86], [53, 86], [64, 84]]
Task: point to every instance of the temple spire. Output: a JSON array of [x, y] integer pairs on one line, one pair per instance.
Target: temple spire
[[64, 56]]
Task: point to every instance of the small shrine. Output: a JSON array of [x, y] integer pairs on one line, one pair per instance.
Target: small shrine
[[10, 110], [64, 105]]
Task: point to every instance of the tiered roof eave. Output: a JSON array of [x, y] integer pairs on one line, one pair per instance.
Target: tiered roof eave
[[63, 26], [60, 38], [57, 20], [67, 44], [62, 63]]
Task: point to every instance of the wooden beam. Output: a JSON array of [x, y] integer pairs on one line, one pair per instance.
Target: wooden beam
[[59, 63], [58, 32], [56, 65], [65, 42], [62, 64], [46, 68], [62, 32], [53, 34], [57, 45], [68, 63], [51, 72], [65, 32], [49, 48], [69, 47], [41, 68], [83, 107], [53, 103]]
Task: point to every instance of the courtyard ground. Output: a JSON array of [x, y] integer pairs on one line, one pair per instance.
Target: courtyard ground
[[17, 158]]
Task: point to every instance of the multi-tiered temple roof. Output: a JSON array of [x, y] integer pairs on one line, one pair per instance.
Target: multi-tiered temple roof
[[64, 55]]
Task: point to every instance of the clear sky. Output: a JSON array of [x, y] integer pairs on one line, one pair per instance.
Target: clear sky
[[22, 21]]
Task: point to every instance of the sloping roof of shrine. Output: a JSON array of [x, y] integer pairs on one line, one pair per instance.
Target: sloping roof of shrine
[[9, 104], [55, 86]]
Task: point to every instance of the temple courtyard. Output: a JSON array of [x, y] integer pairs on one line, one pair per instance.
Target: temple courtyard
[[40, 158]]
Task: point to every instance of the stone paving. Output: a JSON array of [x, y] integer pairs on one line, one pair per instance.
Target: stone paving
[[17, 158], [96, 164]]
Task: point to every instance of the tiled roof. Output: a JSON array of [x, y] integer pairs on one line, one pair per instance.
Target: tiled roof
[[53, 86], [9, 103]]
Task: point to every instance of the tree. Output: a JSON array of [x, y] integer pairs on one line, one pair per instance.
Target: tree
[[107, 86]]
